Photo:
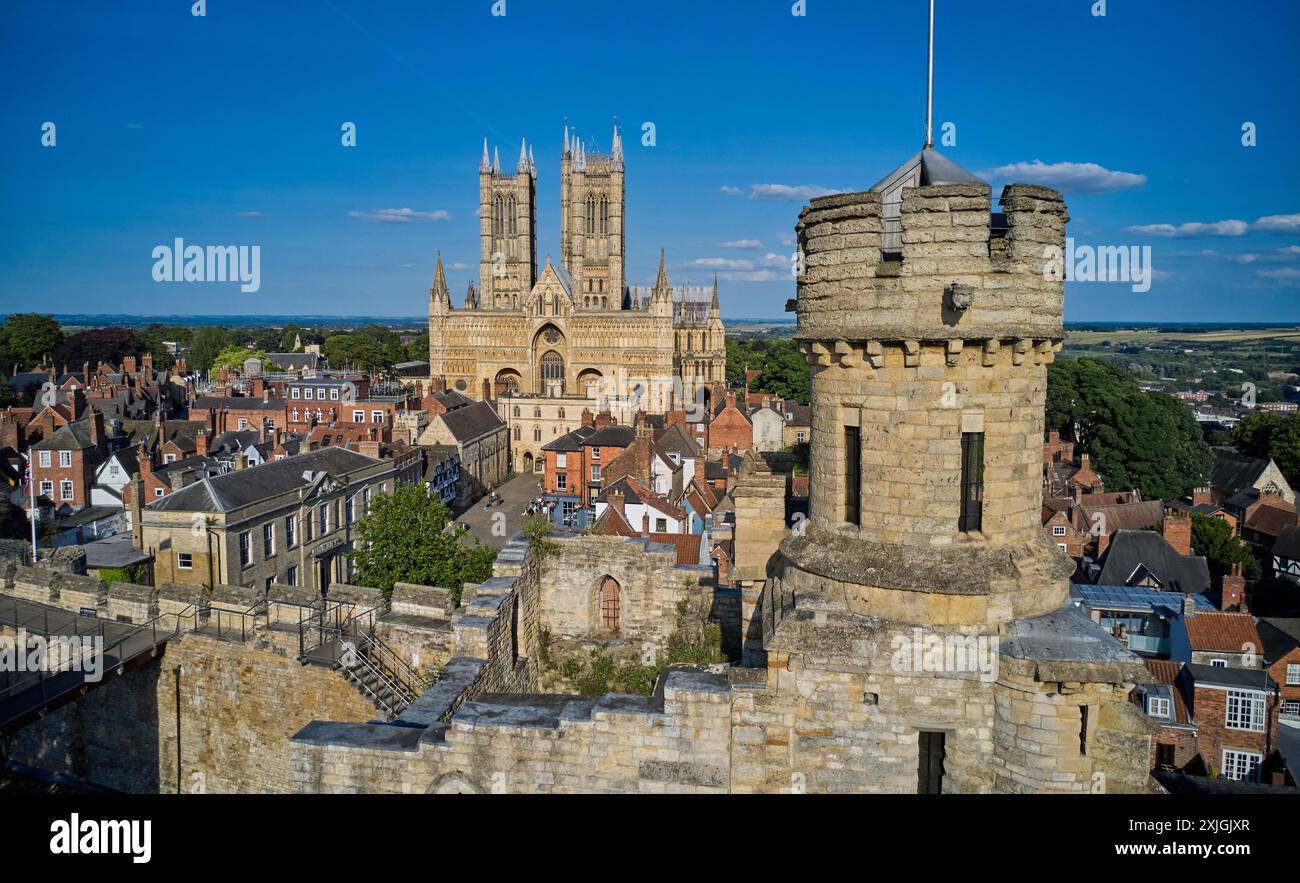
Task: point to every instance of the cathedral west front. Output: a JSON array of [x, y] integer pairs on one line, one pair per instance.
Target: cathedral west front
[[574, 327]]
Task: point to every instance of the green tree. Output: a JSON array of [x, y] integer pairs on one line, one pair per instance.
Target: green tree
[[1213, 538], [207, 343], [1265, 434], [27, 338], [98, 345], [1144, 440], [405, 539]]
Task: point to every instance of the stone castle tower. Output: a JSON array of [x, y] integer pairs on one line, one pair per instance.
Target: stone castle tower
[[918, 623], [507, 229]]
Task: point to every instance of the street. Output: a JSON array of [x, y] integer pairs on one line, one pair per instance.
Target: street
[[518, 492]]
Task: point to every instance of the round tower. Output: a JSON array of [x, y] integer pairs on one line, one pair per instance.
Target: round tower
[[928, 324]]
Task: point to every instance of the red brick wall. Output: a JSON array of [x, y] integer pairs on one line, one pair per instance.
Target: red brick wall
[[1210, 711], [81, 473], [731, 429], [1184, 742], [1277, 671]]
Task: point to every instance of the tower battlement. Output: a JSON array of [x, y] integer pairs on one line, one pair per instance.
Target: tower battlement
[[933, 266]]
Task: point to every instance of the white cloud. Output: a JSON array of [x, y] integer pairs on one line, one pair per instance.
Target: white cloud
[[741, 243], [1280, 273], [789, 191], [730, 191], [1290, 253], [1286, 223], [1068, 177], [456, 266], [756, 276], [251, 215], [785, 238], [1191, 228], [399, 215], [722, 263]]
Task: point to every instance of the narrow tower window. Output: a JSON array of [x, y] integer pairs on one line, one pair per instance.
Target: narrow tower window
[[972, 482], [852, 475], [930, 767]]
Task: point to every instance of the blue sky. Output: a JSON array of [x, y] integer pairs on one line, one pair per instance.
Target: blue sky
[[225, 129]]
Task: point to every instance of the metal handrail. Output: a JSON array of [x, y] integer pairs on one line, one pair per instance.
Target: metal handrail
[[71, 663]]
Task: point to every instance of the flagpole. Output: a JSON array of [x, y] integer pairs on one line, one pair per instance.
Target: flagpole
[[929, 87], [31, 483]]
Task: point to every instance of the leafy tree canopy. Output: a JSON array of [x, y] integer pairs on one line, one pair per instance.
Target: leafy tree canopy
[[404, 539], [206, 344], [1213, 538], [98, 345], [1265, 434], [783, 371], [234, 356], [1135, 439], [27, 338]]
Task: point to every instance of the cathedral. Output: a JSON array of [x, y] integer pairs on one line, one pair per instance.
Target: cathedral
[[574, 328]]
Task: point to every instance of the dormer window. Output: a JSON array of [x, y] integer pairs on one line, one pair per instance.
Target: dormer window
[[1158, 706]]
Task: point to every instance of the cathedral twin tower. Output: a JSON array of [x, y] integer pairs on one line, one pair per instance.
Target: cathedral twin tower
[[575, 328]]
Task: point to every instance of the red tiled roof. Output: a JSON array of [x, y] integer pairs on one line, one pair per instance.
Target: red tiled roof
[[1166, 672], [1230, 632], [686, 544]]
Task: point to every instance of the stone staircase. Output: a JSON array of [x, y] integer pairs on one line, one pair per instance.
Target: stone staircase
[[346, 642]]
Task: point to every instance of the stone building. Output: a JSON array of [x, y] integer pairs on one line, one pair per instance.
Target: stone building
[[290, 522], [480, 438], [575, 328], [913, 634]]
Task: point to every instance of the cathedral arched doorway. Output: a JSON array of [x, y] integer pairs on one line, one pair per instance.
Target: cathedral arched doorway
[[550, 373], [508, 382], [589, 382]]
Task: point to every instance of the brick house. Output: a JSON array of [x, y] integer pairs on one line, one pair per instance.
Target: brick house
[[1224, 639], [1282, 660], [64, 463], [729, 428], [1236, 711], [1173, 745]]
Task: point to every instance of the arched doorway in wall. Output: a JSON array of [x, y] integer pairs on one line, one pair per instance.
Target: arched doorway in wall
[[528, 462], [589, 382], [508, 382], [609, 606], [550, 373]]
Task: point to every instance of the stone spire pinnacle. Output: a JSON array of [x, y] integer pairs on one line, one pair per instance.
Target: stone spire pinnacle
[[484, 166], [439, 290], [496, 160], [523, 154], [661, 282], [532, 166], [714, 312], [566, 140], [617, 149]]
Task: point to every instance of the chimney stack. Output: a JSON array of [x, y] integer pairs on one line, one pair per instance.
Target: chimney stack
[[1201, 497], [615, 500], [1189, 604], [1178, 531], [201, 443], [1232, 595]]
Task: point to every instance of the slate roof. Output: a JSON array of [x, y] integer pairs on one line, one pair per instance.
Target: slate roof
[[1288, 543], [293, 361], [233, 490], [238, 403], [1270, 517], [1131, 549], [471, 421], [1234, 471], [233, 441], [615, 435], [1247, 678], [69, 437], [114, 551], [570, 441], [1281, 635]]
